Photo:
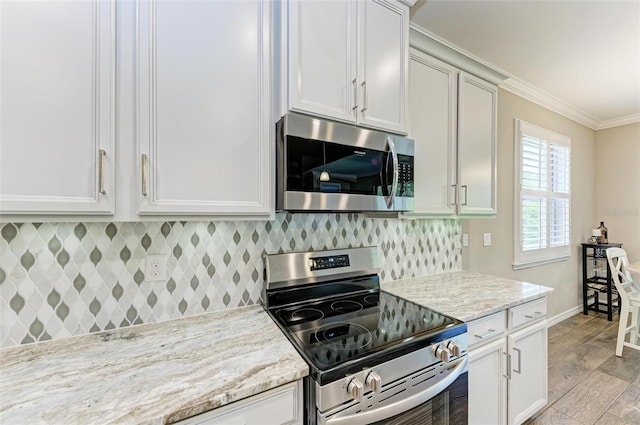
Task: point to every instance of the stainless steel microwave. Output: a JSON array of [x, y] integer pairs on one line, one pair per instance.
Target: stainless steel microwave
[[329, 166]]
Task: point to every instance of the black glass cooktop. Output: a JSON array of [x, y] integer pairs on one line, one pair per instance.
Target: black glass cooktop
[[335, 331]]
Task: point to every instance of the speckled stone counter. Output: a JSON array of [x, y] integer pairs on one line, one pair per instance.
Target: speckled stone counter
[[466, 295], [148, 374]]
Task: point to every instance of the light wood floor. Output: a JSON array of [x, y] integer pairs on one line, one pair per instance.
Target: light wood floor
[[588, 384]]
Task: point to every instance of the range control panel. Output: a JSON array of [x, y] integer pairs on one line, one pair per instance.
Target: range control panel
[[330, 262]]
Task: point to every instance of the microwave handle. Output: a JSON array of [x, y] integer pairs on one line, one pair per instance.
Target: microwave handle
[[394, 183]]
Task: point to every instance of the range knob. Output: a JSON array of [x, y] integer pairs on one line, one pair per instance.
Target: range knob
[[442, 353], [455, 349], [374, 382], [356, 389]]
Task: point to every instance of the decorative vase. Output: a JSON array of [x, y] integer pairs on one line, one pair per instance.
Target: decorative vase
[[604, 233]]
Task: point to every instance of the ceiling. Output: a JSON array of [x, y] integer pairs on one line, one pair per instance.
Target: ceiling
[[580, 58]]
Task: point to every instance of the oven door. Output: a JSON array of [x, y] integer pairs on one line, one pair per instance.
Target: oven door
[[450, 407], [437, 395]]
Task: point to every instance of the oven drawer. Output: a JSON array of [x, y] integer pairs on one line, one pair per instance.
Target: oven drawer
[[527, 313], [486, 328]]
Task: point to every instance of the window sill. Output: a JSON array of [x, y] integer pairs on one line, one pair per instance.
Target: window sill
[[527, 265]]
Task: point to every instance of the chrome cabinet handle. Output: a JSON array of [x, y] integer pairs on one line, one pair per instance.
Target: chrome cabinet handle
[[455, 194], [487, 335], [464, 186], [144, 174], [508, 366], [535, 315], [355, 94], [519, 371], [101, 154], [365, 101]]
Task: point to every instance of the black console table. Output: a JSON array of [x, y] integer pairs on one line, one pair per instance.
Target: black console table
[[597, 281]]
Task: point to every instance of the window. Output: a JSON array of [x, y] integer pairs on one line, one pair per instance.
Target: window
[[542, 196]]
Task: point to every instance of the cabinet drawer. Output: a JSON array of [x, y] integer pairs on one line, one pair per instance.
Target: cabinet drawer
[[282, 405], [486, 328], [528, 312]]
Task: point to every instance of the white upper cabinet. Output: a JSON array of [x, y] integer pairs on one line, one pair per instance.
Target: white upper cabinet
[[347, 60], [57, 91], [195, 130], [205, 130], [383, 46], [477, 110], [432, 125], [322, 58], [453, 123]]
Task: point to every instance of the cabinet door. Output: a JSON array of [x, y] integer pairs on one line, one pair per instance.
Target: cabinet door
[[204, 121], [432, 124], [279, 406], [488, 384], [57, 89], [322, 58], [477, 107], [528, 384], [383, 47]]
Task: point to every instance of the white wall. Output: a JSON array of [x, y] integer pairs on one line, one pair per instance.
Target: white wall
[[618, 185], [565, 276]]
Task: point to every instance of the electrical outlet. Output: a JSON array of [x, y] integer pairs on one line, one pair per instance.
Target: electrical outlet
[[156, 268], [409, 245], [456, 242], [487, 239], [465, 239]]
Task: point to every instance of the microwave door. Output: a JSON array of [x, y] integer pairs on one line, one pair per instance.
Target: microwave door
[[390, 173]]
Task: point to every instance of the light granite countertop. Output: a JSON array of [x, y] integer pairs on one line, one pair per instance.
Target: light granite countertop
[[466, 295], [147, 374]]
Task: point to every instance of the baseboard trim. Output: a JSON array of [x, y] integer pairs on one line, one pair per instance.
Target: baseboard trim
[[564, 315]]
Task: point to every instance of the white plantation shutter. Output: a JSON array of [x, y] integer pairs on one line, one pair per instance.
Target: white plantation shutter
[[543, 203]]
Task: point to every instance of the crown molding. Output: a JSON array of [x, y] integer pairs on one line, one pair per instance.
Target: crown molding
[[433, 45], [616, 122], [443, 49], [409, 3], [548, 101]]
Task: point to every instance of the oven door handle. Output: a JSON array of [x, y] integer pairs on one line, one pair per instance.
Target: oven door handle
[[393, 409]]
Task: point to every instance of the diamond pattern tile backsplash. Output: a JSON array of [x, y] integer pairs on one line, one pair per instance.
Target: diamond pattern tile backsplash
[[64, 279]]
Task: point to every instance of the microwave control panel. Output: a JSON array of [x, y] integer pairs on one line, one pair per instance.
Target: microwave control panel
[[405, 175]]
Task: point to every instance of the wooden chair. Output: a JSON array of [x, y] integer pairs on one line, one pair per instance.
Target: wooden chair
[[629, 295]]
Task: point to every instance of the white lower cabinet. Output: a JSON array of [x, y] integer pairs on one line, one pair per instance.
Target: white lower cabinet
[[488, 384], [528, 376], [508, 366], [279, 406]]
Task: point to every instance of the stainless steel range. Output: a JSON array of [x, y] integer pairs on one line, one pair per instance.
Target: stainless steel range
[[374, 357]]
